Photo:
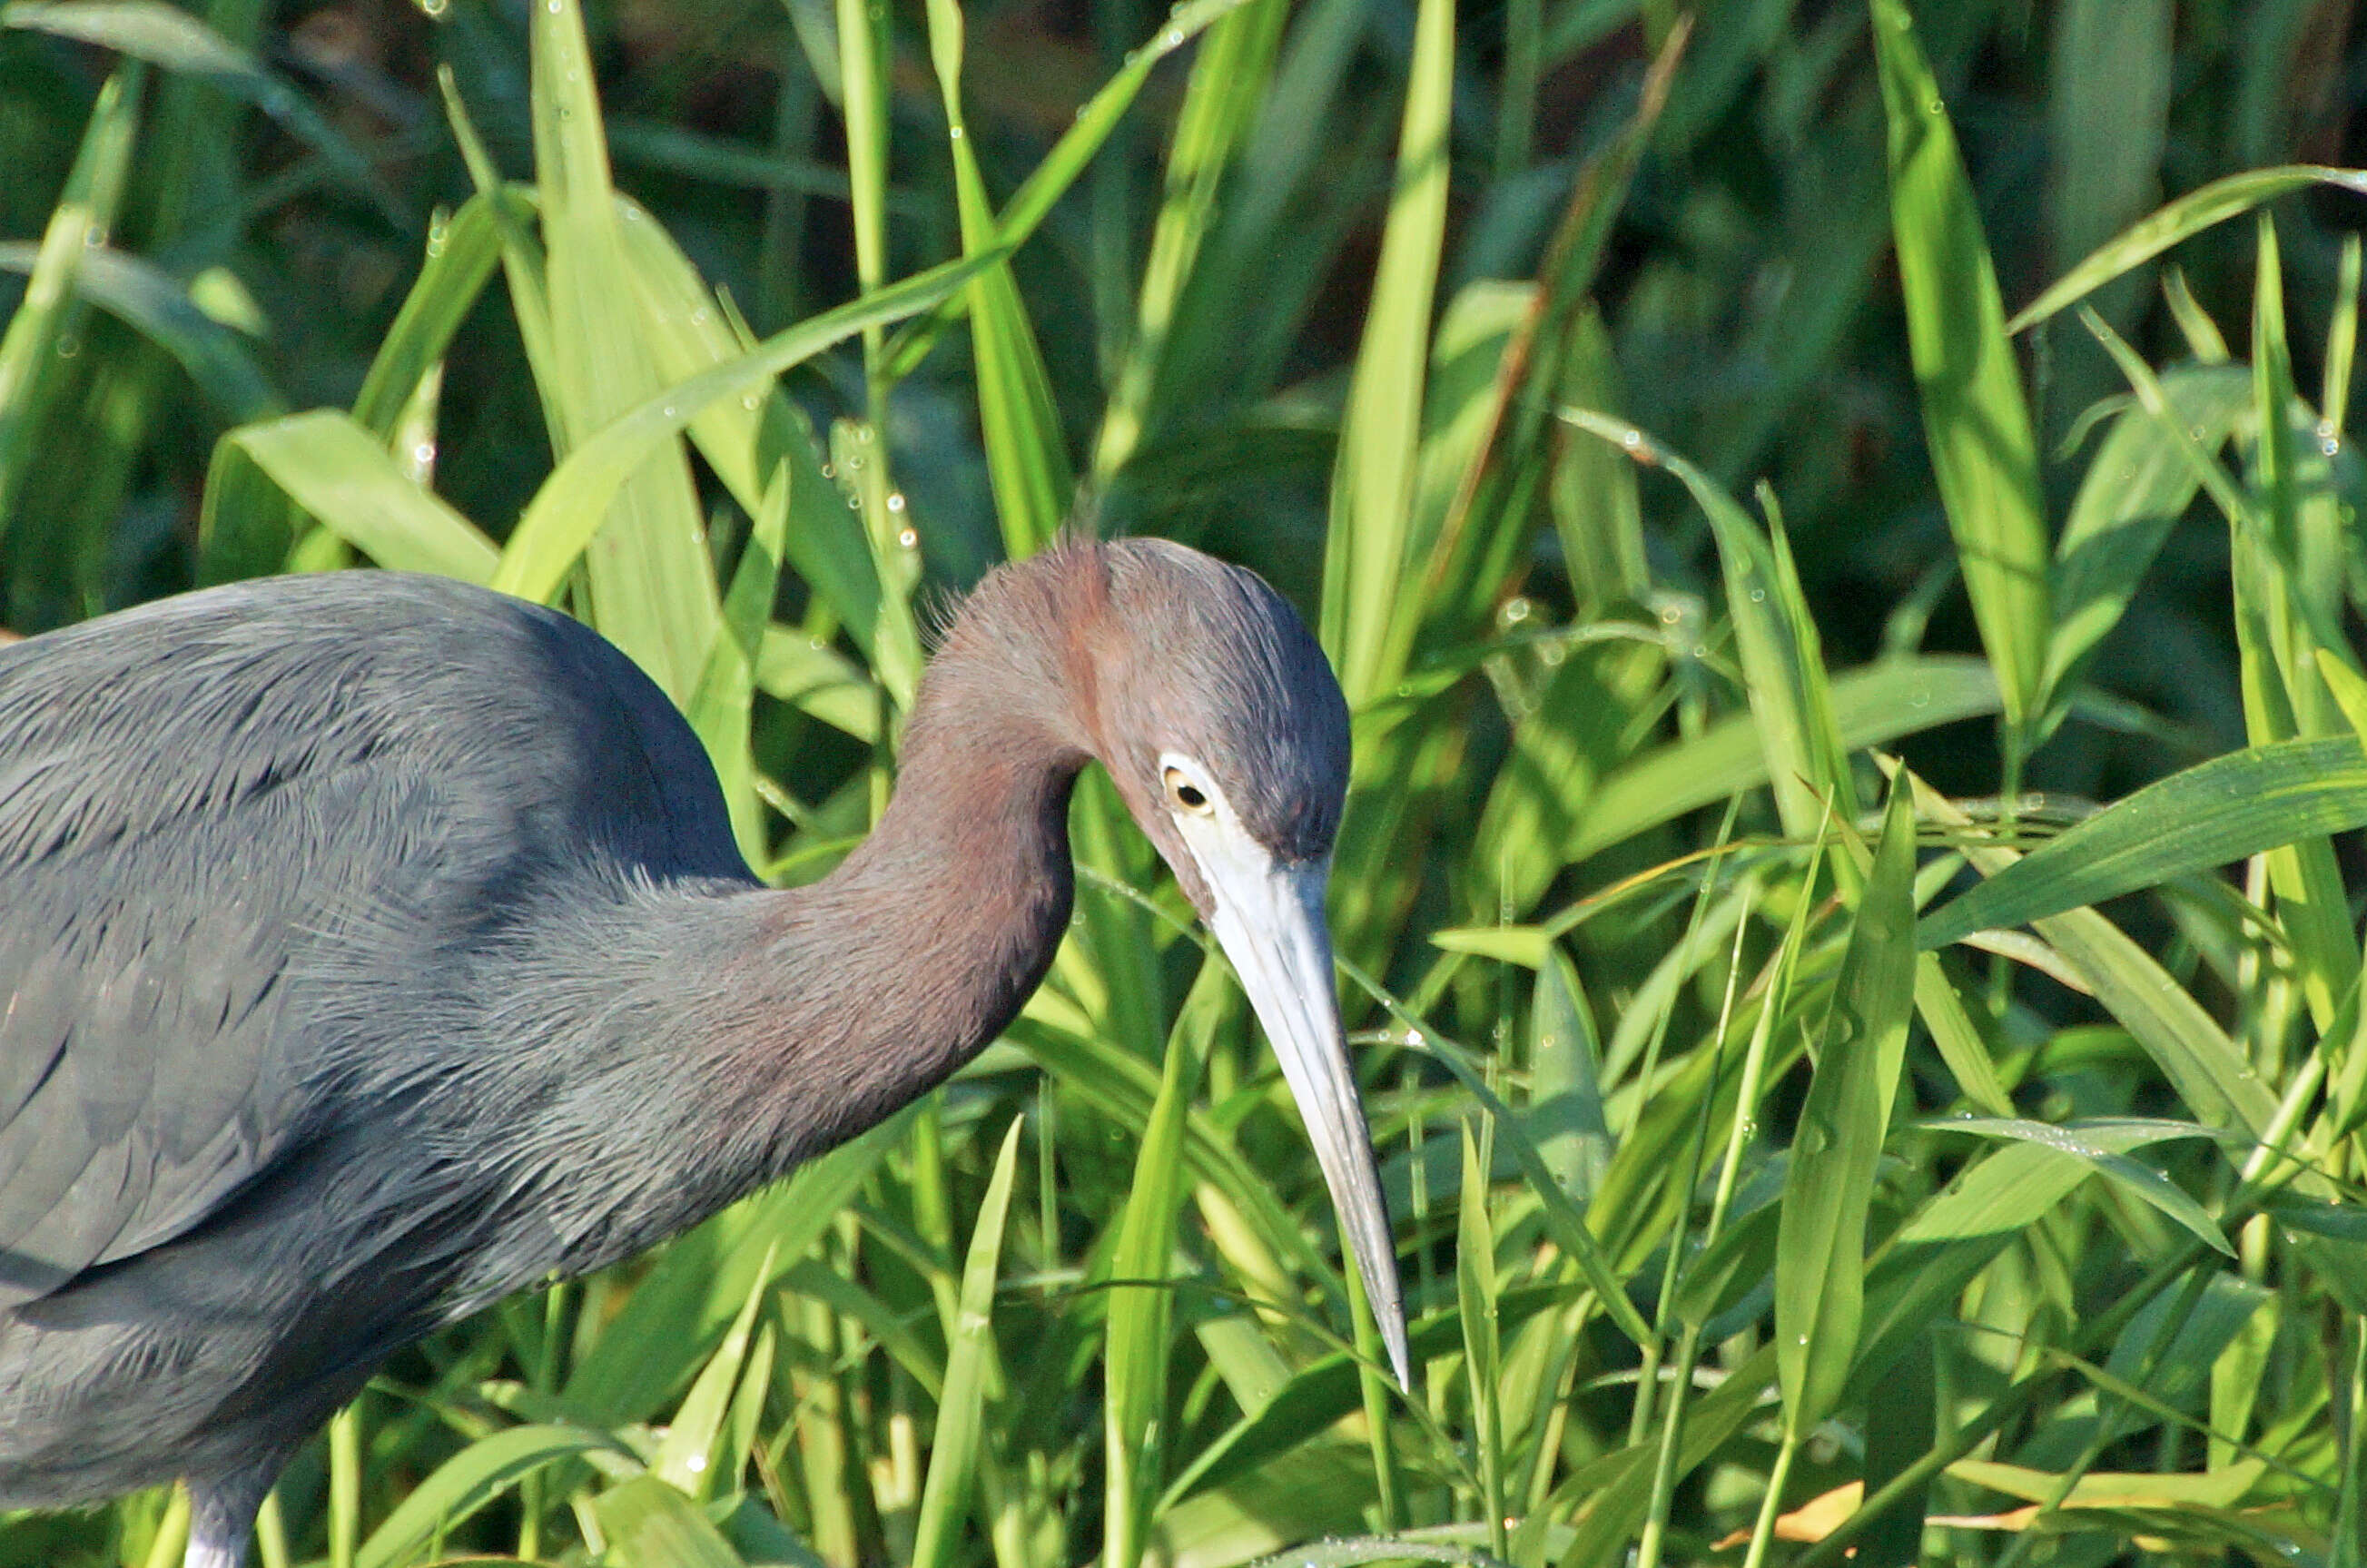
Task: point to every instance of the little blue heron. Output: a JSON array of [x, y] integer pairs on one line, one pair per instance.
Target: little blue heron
[[373, 946]]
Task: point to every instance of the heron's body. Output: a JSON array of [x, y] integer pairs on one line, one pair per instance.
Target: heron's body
[[374, 946]]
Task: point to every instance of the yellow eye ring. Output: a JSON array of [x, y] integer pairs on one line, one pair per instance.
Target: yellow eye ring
[[1186, 795]]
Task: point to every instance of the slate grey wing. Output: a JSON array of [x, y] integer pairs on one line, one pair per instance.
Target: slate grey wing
[[148, 905], [207, 805], [139, 1080]]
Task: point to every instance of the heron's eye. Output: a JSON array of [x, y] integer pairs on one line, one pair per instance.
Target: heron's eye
[[1186, 794]]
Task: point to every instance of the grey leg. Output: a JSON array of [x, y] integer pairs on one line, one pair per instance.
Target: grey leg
[[224, 1547], [221, 1517]]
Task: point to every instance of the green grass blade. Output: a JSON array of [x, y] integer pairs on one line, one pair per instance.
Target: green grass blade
[[1829, 1186], [2210, 1074], [461, 253], [343, 475], [1975, 416], [2107, 112], [955, 1454], [2100, 1150], [2216, 813], [859, 456], [651, 1525], [1026, 460], [719, 708], [651, 588], [1568, 1228], [866, 57], [1872, 706], [2137, 485], [1920, 1276], [477, 1475], [1573, 1133], [167, 37], [1597, 513], [1307, 1407], [1610, 1495], [1367, 547], [1783, 661], [1228, 77], [2289, 561], [1136, 1357], [685, 1457], [2188, 215], [158, 306], [1475, 1295], [1121, 1086], [93, 190], [746, 439], [1050, 180], [2341, 339], [1478, 534], [568, 509]]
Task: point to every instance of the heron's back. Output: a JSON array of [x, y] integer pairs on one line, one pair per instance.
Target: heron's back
[[264, 851]]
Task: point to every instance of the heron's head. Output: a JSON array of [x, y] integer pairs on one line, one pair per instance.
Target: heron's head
[[1219, 719], [1224, 729]]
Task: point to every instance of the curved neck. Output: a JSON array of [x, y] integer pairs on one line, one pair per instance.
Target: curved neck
[[854, 996]]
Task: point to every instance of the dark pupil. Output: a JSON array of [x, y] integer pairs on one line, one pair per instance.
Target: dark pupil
[[1190, 797]]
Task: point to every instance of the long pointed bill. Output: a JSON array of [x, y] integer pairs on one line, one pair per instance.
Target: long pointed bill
[[1269, 918]]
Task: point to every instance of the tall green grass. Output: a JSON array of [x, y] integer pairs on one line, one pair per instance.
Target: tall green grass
[[1856, 983]]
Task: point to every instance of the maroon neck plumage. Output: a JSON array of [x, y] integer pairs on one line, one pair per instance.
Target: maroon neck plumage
[[854, 996]]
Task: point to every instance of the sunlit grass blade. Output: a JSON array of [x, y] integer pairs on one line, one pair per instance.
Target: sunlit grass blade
[[485, 1470], [1872, 706], [685, 1459], [343, 474], [1026, 458], [866, 56], [955, 1452], [1228, 77], [461, 254], [1829, 1186], [650, 588], [569, 508], [721, 706], [649, 1524], [1136, 1357], [2188, 215], [1564, 1223], [2209, 815], [2103, 1147], [747, 439], [1366, 546], [2289, 563], [1034, 201], [2137, 487], [86, 210], [1475, 1295], [1783, 660], [1975, 418], [2210, 1074]]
